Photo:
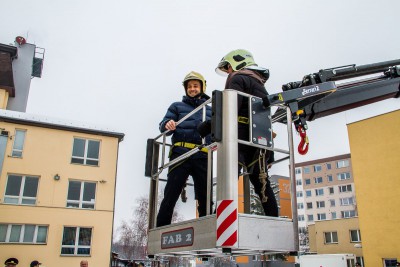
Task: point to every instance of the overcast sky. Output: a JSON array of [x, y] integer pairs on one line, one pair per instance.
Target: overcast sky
[[119, 64]]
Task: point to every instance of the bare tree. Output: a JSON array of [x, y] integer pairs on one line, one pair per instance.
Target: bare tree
[[132, 241]]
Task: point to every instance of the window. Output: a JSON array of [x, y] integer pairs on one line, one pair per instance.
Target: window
[[328, 166], [321, 216], [18, 145], [300, 206], [21, 190], [319, 192], [342, 163], [85, 152], [298, 170], [310, 218], [299, 194], [320, 204], [307, 181], [23, 233], [299, 182], [81, 195], [308, 193], [343, 176], [389, 262], [332, 202], [331, 237], [76, 241], [330, 179], [355, 236], [345, 188], [306, 170], [333, 214], [348, 213], [317, 168], [300, 218], [331, 190], [303, 230], [346, 201], [309, 205], [318, 180]]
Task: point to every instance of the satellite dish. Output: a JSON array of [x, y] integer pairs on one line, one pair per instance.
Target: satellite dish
[[20, 40]]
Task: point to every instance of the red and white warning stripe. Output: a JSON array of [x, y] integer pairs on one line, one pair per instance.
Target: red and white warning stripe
[[227, 223]]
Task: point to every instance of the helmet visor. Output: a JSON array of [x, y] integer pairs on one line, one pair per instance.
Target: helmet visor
[[222, 68]]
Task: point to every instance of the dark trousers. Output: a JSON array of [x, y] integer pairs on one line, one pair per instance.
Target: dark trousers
[[177, 176], [248, 155]]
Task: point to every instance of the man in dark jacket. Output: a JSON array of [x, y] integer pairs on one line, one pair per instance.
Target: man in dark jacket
[[244, 75], [184, 138]]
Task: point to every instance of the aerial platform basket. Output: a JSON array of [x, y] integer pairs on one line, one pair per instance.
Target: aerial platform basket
[[227, 231]]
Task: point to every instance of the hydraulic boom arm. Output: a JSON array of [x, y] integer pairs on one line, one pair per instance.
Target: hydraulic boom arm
[[347, 95]]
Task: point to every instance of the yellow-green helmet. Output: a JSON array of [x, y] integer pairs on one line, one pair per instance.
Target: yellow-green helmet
[[195, 76], [238, 59]]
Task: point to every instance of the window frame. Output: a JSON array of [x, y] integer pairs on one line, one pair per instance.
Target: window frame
[[358, 234], [319, 191], [346, 201], [320, 215], [76, 245], [20, 196], [318, 180], [320, 204], [328, 166], [17, 150], [342, 163], [332, 238], [343, 176], [21, 238], [81, 202], [85, 157], [306, 170], [389, 262], [317, 168], [349, 212], [345, 188]]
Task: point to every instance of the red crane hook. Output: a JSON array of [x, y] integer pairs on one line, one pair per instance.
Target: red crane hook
[[303, 145]]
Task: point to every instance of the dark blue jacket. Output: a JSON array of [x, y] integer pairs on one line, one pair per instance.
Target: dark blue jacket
[[187, 130]]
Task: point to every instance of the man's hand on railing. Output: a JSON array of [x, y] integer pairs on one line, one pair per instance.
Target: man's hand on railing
[[170, 125]]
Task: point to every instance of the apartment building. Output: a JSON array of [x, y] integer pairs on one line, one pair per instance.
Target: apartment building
[[325, 190], [57, 178]]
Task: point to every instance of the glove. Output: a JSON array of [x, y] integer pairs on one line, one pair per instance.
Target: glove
[[204, 128]]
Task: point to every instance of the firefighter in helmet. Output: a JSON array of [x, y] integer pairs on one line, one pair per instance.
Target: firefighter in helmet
[[244, 75], [184, 138]]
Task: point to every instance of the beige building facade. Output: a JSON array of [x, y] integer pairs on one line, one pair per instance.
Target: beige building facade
[[340, 236], [375, 146], [57, 187]]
